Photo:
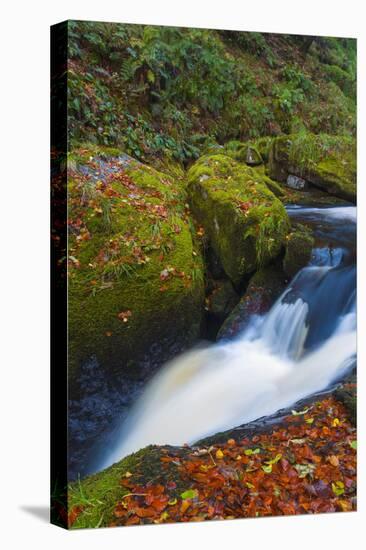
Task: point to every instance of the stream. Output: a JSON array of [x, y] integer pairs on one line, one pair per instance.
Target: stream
[[305, 343]]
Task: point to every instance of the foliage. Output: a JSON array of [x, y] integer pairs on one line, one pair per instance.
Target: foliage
[[167, 92]]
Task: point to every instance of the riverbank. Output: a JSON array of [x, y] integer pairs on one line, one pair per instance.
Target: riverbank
[[305, 464]]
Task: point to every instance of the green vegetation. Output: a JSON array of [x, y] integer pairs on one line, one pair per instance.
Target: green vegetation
[[328, 162], [181, 141], [96, 495], [170, 92]]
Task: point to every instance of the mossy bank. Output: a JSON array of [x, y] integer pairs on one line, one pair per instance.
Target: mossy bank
[[327, 162]]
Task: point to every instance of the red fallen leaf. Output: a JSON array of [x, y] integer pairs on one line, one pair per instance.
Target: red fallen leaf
[[144, 512], [74, 513], [132, 520], [171, 485], [159, 504], [284, 464], [120, 511], [156, 490]]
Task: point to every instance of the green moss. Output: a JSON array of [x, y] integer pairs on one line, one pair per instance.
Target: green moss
[[273, 186], [300, 243], [98, 494], [246, 224], [328, 162], [139, 258]]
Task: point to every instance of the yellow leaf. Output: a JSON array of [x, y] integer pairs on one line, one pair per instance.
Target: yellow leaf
[[184, 506], [219, 454]]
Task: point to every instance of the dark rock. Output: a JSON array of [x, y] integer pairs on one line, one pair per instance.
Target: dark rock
[[298, 250], [263, 289], [222, 300], [347, 394], [213, 264]]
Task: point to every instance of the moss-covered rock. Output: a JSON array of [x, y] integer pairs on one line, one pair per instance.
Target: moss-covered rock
[[246, 152], [328, 162], [264, 288], [300, 243], [244, 221], [135, 274]]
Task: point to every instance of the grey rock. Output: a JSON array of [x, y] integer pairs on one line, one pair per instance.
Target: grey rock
[[294, 182]]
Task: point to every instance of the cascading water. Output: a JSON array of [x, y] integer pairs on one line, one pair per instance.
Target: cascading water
[[305, 342]]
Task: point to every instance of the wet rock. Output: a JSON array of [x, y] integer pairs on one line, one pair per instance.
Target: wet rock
[[222, 299], [263, 290], [294, 182], [299, 247], [213, 263], [347, 394]]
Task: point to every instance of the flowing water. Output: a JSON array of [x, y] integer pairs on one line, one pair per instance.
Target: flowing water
[[303, 344]]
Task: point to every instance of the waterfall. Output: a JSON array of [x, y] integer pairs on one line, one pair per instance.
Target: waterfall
[[305, 342]]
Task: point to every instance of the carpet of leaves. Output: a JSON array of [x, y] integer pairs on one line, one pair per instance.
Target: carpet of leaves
[[307, 464]]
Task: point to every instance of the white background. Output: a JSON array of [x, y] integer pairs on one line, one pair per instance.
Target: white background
[[24, 272]]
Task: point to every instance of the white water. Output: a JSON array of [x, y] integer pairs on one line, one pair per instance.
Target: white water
[[215, 388]]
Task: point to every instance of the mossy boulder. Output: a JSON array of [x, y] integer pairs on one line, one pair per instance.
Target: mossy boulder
[[245, 223], [265, 286], [327, 162], [135, 273], [299, 246]]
